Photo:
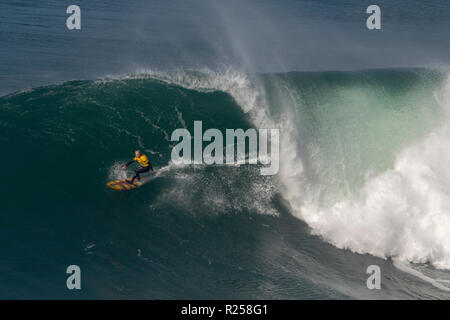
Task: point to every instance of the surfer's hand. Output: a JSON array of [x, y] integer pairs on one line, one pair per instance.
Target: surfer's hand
[[124, 167], [153, 172]]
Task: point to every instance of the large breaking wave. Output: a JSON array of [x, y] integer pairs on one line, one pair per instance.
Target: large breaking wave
[[364, 155]]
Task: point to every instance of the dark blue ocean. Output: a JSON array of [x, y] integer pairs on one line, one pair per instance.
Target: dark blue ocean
[[364, 120]]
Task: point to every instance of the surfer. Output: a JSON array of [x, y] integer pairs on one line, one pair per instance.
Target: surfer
[[145, 164]]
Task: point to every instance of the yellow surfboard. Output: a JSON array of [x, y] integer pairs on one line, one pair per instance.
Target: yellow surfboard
[[122, 185]]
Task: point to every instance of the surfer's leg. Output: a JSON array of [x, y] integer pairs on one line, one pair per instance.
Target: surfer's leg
[[138, 172], [136, 176]]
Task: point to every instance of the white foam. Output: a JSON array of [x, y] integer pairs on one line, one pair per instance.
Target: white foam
[[403, 212], [116, 172]]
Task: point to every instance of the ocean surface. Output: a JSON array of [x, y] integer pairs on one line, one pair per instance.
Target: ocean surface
[[364, 119]]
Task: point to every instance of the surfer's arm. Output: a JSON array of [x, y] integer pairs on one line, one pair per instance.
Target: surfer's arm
[[128, 163]]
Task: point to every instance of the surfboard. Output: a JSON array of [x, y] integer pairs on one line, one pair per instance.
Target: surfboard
[[123, 185]]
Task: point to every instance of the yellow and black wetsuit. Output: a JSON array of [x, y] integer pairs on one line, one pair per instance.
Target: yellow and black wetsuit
[[145, 166]]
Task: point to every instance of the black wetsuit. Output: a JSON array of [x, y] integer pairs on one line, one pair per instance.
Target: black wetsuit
[[140, 170]]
